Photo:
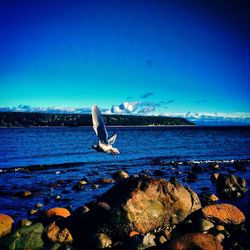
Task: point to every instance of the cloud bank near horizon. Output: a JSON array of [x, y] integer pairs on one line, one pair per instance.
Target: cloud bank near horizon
[[144, 108]]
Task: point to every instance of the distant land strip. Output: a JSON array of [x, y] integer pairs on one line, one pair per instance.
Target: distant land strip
[[25, 119]]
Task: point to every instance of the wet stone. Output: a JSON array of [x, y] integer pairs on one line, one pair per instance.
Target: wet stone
[[205, 225], [120, 174]]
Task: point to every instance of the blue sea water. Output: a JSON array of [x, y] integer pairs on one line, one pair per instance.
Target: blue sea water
[[49, 161]]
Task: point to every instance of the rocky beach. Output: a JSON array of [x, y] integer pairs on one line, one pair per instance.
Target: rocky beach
[[173, 205]]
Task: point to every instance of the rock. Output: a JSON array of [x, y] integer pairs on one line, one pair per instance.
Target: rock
[[133, 233], [38, 205], [103, 206], [230, 186], [207, 198], [106, 181], [27, 237], [196, 241], [215, 166], [25, 222], [225, 214], [58, 197], [214, 177], [56, 246], [26, 194], [162, 239], [83, 182], [58, 211], [144, 204], [120, 174], [95, 186], [205, 225], [220, 228], [79, 185], [5, 224], [220, 237], [148, 241], [81, 210], [213, 197], [33, 211], [55, 234], [101, 241]]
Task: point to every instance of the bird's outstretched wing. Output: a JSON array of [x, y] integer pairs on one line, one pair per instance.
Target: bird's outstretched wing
[[112, 139], [99, 125]]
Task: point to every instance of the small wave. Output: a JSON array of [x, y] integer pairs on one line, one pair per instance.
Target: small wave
[[41, 167], [159, 161]]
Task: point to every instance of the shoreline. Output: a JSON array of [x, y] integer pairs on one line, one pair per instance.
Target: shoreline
[[134, 126], [196, 175]]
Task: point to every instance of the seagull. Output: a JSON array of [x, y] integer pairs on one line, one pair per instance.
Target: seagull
[[104, 144]]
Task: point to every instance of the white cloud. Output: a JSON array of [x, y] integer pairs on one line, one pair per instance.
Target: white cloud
[[215, 118], [134, 108]]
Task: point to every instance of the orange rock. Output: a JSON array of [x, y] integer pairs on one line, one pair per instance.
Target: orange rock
[[214, 177], [5, 224], [55, 234], [224, 214], [144, 204], [213, 197], [107, 181], [58, 211], [196, 241], [27, 193], [133, 233]]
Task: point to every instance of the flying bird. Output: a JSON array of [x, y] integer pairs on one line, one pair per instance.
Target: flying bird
[[104, 143]]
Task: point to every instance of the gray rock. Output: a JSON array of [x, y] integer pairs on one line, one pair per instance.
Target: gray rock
[[205, 225], [26, 237]]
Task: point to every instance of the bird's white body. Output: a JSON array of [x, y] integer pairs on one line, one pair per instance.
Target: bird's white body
[[107, 148], [104, 144]]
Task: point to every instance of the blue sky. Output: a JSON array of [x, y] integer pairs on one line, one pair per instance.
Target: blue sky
[[147, 57]]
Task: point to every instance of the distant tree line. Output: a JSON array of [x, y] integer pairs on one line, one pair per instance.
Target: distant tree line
[[23, 119]]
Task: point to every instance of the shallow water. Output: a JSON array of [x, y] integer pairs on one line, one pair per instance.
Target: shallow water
[[49, 161]]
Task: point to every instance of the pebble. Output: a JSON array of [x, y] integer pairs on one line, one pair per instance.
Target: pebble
[[148, 240], [205, 225], [120, 174], [106, 181], [215, 166], [33, 211], [219, 227], [102, 241], [25, 222], [95, 186], [26, 193], [38, 205], [214, 177], [58, 197], [220, 237], [213, 197], [162, 239], [82, 182], [81, 210]]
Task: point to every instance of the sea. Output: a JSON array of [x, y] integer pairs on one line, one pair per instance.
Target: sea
[[49, 161]]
